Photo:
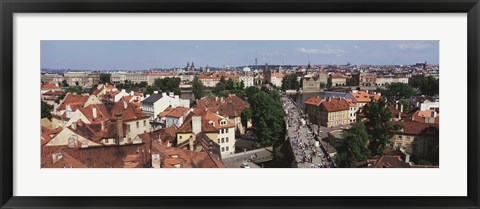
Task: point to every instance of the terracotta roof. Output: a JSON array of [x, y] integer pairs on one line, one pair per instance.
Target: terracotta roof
[[314, 101], [176, 112], [420, 116], [207, 117], [364, 97], [94, 132], [170, 157], [73, 100], [231, 106], [351, 103], [53, 93], [335, 105], [50, 86], [167, 135], [93, 157], [417, 128]]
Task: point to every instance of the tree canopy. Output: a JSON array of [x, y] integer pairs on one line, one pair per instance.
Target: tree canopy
[[198, 88], [397, 91], [378, 125], [267, 117], [105, 78], [45, 110], [290, 82], [168, 84], [427, 85]]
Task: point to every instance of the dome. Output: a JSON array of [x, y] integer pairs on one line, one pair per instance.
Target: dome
[[246, 69]]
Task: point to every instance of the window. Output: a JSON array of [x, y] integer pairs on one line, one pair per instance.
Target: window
[[144, 122], [221, 131], [226, 130], [138, 124], [223, 140], [227, 141], [227, 148], [223, 149], [219, 141], [106, 141], [180, 137]]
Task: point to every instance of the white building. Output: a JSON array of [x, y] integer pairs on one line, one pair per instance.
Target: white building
[[157, 103]]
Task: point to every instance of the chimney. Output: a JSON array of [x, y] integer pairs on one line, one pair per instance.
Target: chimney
[[190, 141], [125, 105], [407, 158], [94, 112], [131, 93], [163, 94], [170, 94], [119, 129], [196, 124], [146, 96], [155, 92], [216, 98], [401, 107], [74, 125], [329, 99], [103, 125], [124, 91]]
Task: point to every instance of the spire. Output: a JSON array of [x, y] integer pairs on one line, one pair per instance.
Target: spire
[[188, 64], [308, 66], [193, 65]]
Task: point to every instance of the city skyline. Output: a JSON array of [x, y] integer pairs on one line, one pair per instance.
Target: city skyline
[[140, 55]]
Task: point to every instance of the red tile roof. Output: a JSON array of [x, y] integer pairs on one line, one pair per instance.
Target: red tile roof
[[315, 101], [231, 106], [364, 97], [73, 100], [50, 86], [417, 128], [335, 105], [170, 157]]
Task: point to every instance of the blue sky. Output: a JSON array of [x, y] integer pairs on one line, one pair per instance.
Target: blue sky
[[138, 55]]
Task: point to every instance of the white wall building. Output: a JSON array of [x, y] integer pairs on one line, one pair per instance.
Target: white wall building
[[157, 103]]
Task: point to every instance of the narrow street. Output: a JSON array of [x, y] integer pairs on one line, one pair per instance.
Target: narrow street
[[307, 150]]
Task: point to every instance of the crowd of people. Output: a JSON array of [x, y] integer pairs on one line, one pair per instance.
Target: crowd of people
[[306, 149]]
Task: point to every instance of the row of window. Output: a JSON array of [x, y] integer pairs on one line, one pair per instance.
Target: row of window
[[224, 149], [144, 124], [223, 140], [222, 131]]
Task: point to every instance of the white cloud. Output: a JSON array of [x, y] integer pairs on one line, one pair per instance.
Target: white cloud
[[415, 45], [322, 51]]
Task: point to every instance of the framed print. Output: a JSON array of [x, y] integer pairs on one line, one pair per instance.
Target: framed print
[[258, 104]]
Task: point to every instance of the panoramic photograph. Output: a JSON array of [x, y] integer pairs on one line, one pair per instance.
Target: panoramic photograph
[[239, 104]]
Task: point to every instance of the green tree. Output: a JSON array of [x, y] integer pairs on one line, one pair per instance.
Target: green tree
[[250, 92], [242, 85], [143, 84], [378, 125], [245, 116], [290, 82], [221, 85], [323, 85], [267, 118], [168, 84], [150, 90], [427, 85], [229, 84], [356, 140], [45, 110], [105, 78], [198, 88], [396, 91], [64, 83], [353, 81], [341, 160]]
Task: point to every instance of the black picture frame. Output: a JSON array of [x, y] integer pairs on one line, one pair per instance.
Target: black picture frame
[[9, 7]]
